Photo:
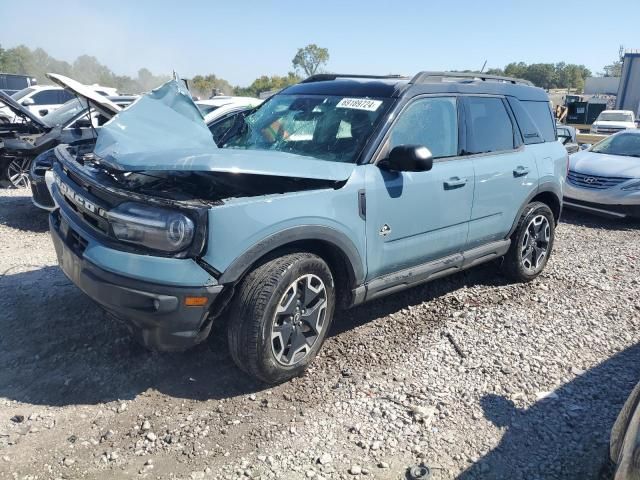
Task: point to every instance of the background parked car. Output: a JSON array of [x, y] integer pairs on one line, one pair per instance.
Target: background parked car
[[68, 124], [613, 121], [605, 178], [208, 106], [10, 83], [44, 99]]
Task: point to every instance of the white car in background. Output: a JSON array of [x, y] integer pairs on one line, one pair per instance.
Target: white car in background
[[208, 106], [221, 118], [613, 121], [44, 99]]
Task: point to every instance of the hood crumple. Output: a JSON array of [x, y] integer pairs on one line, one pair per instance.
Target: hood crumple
[[165, 119], [165, 131]]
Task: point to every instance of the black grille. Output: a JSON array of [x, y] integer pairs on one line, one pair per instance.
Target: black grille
[[595, 182]]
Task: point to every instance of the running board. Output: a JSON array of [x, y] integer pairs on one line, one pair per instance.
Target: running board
[[410, 277]]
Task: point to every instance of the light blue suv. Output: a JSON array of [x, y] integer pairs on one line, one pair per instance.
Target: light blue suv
[[333, 192]]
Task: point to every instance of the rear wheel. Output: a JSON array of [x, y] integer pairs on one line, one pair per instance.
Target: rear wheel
[[280, 316], [531, 243]]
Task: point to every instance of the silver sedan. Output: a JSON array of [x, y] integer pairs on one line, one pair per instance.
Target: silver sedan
[[605, 178]]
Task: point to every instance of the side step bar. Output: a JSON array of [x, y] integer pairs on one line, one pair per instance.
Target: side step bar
[[410, 277]]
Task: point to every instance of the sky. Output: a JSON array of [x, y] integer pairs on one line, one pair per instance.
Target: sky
[[240, 40]]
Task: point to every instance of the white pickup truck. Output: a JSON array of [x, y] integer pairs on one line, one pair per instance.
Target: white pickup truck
[[613, 121]]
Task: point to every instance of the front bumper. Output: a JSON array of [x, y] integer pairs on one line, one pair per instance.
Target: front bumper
[[156, 313], [612, 202]]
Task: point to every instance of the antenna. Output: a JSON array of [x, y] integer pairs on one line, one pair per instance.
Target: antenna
[[483, 65]]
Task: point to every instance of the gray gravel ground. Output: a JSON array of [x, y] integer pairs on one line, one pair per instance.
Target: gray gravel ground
[[474, 376]]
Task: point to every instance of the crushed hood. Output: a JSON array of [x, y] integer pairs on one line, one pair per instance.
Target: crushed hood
[[601, 164], [164, 119], [227, 160], [20, 110], [101, 103], [165, 131]]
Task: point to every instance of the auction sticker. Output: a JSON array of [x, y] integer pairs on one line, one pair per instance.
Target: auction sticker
[[359, 104]]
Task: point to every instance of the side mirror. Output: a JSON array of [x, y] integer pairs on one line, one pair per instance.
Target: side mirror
[[408, 158], [585, 146], [82, 123], [28, 102]]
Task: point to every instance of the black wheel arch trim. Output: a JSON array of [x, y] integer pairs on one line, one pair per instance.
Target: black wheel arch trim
[[546, 187], [243, 263]]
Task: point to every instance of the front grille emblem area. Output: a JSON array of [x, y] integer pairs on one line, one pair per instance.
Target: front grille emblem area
[[590, 180]]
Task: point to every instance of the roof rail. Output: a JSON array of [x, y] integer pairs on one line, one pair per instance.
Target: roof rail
[[426, 77], [321, 77]]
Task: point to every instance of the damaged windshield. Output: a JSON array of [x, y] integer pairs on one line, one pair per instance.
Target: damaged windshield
[[328, 127]]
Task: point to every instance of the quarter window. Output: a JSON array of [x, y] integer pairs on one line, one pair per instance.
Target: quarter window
[[540, 112], [430, 122], [489, 126]]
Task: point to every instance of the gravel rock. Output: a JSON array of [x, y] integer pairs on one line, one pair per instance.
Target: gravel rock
[[398, 382]]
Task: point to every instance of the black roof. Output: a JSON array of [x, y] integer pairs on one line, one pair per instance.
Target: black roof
[[423, 82]]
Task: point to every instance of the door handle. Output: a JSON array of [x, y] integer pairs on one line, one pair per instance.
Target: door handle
[[454, 182], [520, 171]]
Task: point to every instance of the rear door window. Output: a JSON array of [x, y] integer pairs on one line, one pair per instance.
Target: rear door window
[[541, 114], [489, 126]]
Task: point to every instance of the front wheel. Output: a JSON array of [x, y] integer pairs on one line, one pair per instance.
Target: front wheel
[[280, 316], [16, 171], [531, 243]]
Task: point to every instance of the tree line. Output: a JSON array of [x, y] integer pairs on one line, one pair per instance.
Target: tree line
[[89, 70], [307, 61]]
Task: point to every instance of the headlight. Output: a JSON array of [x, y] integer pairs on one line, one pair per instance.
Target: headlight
[[633, 187], [155, 228]]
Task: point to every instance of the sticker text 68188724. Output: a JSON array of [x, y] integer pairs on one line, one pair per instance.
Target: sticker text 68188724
[[359, 104]]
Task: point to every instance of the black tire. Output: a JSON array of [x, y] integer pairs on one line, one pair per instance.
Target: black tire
[[515, 261], [253, 316]]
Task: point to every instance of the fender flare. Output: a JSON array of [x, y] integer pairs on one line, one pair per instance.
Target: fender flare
[[337, 239], [545, 187]]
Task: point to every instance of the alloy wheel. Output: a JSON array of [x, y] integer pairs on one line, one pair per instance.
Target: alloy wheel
[[299, 320], [535, 244], [18, 172]]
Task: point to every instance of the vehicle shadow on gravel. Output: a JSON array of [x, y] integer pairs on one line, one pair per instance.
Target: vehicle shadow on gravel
[[488, 275], [58, 348], [20, 213], [583, 219], [564, 435]]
